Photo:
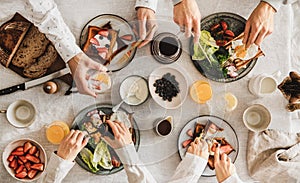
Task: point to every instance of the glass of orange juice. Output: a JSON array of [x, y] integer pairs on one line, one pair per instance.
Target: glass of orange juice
[[56, 131], [201, 91]]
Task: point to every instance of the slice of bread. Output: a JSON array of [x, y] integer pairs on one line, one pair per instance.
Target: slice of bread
[[41, 65], [11, 35], [32, 47]]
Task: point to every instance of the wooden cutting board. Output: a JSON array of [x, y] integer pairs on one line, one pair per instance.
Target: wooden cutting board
[[57, 65]]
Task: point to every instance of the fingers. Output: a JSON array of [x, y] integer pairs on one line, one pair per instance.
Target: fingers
[[217, 155], [113, 127], [188, 28], [224, 157], [150, 36], [246, 32], [142, 28], [260, 38], [196, 29]]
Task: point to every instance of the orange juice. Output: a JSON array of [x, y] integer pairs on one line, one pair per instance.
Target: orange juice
[[56, 131], [201, 91]]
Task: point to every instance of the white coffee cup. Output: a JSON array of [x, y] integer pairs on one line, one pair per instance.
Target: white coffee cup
[[262, 85], [257, 118], [20, 113]]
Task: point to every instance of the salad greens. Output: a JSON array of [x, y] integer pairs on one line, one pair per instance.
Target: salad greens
[[100, 157]]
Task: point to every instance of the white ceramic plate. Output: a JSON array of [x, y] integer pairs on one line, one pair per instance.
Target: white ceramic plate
[[118, 23], [14, 144], [179, 77], [228, 133]]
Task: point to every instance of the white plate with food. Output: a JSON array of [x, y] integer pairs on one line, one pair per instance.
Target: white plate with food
[[107, 39], [168, 87], [226, 137]]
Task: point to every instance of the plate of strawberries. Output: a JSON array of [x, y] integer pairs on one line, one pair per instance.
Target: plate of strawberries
[[24, 159]]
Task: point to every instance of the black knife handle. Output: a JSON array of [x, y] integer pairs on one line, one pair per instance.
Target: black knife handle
[[12, 89]]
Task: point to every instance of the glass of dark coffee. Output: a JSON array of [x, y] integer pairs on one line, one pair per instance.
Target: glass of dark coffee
[[164, 127]]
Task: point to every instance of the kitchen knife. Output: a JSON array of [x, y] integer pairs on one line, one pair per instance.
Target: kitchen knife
[[32, 83]]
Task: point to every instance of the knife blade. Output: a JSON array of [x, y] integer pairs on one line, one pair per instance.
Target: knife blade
[[35, 82]]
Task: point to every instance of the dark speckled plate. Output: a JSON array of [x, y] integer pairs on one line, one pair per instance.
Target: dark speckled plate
[[236, 23], [83, 117]]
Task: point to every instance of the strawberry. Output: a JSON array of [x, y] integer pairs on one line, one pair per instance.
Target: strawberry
[[214, 27], [127, 37], [38, 166], [103, 32], [32, 150], [10, 158], [19, 148], [28, 165], [94, 41], [21, 175], [224, 25], [221, 42], [23, 159], [31, 174], [186, 143], [27, 146], [17, 153], [37, 154], [20, 162], [19, 169], [13, 164], [229, 33], [32, 158]]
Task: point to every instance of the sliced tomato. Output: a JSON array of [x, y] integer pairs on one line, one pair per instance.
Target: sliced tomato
[[229, 33], [214, 27], [10, 158], [102, 50], [13, 164], [37, 154], [224, 25], [23, 159], [17, 153], [186, 143], [127, 37], [20, 148], [20, 162], [28, 165]]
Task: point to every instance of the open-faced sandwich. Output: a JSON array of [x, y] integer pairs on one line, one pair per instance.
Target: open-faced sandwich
[[208, 132], [104, 43], [222, 53]]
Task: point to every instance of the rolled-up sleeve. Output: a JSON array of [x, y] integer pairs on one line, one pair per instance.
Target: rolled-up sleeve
[[189, 169], [45, 15], [151, 4], [56, 170]]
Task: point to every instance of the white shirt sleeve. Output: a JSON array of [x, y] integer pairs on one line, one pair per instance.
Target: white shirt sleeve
[[45, 15], [56, 170], [135, 170], [151, 4], [276, 4], [189, 169], [234, 178]]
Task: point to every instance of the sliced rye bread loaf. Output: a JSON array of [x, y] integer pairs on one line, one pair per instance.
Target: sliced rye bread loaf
[[32, 47], [11, 35], [42, 63]]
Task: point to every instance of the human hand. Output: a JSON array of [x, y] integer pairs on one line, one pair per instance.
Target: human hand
[[223, 166], [71, 145], [187, 15], [121, 133], [147, 20], [199, 148], [259, 25], [79, 66]]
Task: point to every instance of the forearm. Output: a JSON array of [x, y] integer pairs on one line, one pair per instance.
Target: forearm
[[135, 170], [189, 169], [57, 169], [45, 15]]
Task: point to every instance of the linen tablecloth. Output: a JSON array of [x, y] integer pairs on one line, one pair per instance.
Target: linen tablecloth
[[159, 154]]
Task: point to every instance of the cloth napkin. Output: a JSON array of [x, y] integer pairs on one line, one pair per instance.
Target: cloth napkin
[[274, 156]]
